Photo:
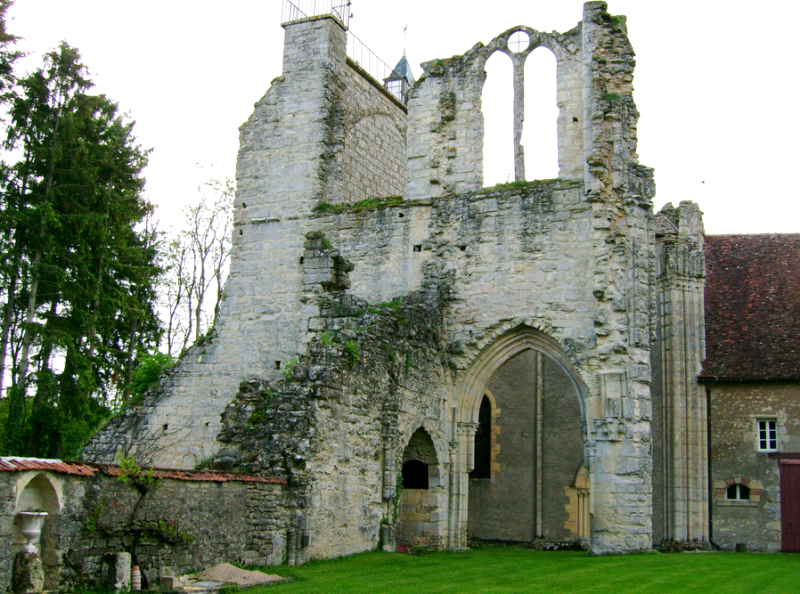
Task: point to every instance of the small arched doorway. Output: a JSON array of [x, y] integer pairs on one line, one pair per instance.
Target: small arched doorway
[[578, 496], [420, 521]]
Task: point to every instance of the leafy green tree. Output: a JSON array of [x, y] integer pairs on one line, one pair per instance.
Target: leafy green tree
[[147, 372], [78, 260]]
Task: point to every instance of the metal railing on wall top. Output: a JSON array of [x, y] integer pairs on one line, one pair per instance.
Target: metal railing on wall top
[[357, 50], [368, 61], [295, 10]]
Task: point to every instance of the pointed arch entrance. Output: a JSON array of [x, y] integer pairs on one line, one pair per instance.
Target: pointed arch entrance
[[538, 440], [423, 496]]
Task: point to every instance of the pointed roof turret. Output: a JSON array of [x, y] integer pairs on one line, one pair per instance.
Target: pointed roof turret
[[403, 68], [400, 80]]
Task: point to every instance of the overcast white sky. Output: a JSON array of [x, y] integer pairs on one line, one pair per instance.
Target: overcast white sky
[[716, 82]]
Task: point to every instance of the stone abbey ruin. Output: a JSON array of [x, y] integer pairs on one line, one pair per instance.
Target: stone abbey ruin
[[525, 356]]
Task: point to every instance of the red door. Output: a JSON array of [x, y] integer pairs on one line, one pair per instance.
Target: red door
[[790, 506]]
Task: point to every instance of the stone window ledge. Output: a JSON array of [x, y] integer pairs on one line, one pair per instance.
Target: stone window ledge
[[735, 503]]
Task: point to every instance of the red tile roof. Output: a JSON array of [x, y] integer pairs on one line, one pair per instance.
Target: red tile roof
[[752, 307], [23, 464], [12, 464]]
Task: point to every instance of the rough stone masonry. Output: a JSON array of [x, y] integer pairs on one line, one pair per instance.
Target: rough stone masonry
[[377, 287]]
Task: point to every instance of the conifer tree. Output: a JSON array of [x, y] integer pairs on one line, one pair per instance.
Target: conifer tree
[[78, 266]]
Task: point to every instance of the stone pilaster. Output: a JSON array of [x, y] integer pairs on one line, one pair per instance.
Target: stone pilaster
[[681, 334]]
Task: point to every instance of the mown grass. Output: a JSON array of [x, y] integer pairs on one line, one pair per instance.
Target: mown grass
[[507, 570]]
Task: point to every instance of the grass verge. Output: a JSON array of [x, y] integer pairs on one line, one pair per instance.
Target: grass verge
[[507, 570]]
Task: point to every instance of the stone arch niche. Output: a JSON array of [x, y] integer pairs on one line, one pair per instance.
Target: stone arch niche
[[38, 493], [538, 439], [578, 496], [420, 508]]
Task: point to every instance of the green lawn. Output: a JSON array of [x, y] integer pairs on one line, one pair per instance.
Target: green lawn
[[505, 569]]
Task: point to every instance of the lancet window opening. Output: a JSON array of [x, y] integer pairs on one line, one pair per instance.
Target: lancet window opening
[[543, 160]]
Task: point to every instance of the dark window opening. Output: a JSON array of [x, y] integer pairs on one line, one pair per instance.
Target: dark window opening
[[401, 215], [244, 205], [574, 119], [166, 426], [277, 364], [483, 442], [241, 232], [738, 493], [301, 259], [415, 474], [418, 248]]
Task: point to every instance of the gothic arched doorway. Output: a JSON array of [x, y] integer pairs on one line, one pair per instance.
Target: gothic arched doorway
[[536, 445]]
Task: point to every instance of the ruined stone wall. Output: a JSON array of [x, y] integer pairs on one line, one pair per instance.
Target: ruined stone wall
[[734, 410], [175, 527], [7, 504], [370, 125], [336, 426], [513, 251], [319, 126], [445, 134], [567, 265]]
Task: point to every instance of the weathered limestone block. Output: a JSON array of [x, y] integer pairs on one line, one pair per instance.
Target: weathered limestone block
[[117, 572], [28, 573]]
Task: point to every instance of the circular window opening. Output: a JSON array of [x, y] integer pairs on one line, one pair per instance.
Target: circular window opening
[[519, 41]]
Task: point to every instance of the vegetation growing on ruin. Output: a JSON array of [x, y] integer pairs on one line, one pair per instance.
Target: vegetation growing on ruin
[[352, 352], [396, 305], [132, 472], [147, 373], [361, 206], [525, 184], [288, 370], [617, 20]]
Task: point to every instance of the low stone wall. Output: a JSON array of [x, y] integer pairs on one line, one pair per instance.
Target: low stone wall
[[421, 518], [170, 522]]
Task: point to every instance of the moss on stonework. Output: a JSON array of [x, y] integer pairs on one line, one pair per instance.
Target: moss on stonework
[[524, 184], [361, 206], [378, 352], [617, 20]]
